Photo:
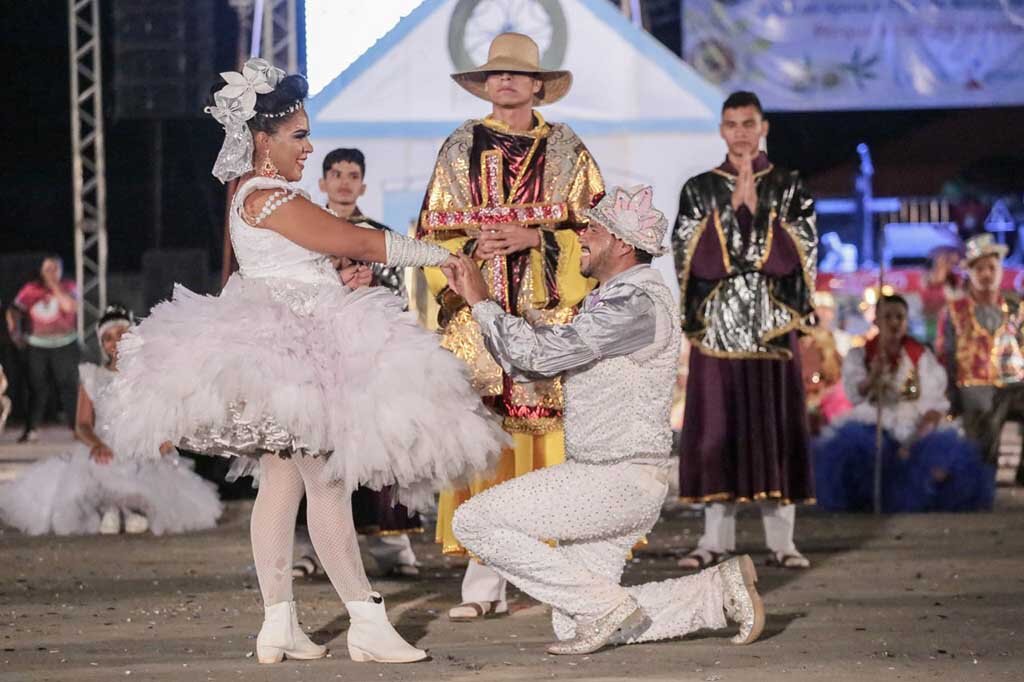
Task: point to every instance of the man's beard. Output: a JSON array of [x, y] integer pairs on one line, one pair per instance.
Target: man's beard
[[588, 269]]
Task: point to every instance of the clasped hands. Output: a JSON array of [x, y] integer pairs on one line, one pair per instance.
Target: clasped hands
[[353, 274], [465, 278], [877, 383], [504, 239], [496, 239], [745, 193]]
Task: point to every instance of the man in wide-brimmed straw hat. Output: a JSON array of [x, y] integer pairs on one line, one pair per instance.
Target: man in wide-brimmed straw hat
[[514, 53], [980, 338], [535, 180]]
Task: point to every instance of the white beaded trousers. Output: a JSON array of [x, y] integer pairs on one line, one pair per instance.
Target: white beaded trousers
[[596, 513]]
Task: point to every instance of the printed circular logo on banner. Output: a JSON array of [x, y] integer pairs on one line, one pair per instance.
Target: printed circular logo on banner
[[475, 23]]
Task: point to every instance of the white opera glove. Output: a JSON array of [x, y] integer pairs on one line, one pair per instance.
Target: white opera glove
[[412, 253]]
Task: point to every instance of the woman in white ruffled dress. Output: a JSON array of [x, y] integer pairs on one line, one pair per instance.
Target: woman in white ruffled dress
[[91, 488], [327, 388]]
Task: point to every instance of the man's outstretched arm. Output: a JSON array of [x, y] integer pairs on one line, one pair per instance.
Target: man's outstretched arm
[[620, 325]]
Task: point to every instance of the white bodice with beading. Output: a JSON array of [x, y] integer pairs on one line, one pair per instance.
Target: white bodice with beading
[[264, 254]]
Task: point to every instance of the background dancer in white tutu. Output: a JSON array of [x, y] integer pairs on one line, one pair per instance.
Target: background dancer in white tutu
[[92, 488], [326, 386]]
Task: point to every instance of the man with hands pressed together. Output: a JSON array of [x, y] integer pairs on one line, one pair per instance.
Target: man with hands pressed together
[[746, 255]]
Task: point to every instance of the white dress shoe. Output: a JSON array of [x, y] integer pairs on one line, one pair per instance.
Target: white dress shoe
[[110, 523], [626, 618], [371, 636], [743, 605], [281, 636]]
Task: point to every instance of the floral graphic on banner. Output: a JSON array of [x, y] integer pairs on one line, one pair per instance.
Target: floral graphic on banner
[[860, 54]]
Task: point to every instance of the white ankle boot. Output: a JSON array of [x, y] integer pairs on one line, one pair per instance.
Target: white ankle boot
[[110, 522], [372, 638], [135, 523], [281, 636]]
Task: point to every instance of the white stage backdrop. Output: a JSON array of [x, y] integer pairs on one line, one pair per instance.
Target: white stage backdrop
[[646, 116]]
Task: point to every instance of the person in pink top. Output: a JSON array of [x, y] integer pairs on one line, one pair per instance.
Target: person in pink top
[[49, 304]]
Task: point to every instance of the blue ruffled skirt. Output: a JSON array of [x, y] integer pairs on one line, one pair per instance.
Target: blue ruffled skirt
[[944, 472]]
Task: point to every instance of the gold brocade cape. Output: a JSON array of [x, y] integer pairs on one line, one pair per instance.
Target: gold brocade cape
[[548, 283]]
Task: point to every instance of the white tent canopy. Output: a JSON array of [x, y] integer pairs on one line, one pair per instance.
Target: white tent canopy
[[645, 115]]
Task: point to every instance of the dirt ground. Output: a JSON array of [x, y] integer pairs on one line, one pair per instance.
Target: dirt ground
[[892, 598]]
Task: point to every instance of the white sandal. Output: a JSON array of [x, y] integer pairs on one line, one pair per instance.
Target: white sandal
[[700, 558], [306, 567], [792, 560], [477, 610]]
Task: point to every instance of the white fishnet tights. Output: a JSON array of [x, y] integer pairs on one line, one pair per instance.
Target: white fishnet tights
[[329, 514]]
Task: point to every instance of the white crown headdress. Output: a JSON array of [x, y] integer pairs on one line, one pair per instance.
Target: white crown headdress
[[628, 214]]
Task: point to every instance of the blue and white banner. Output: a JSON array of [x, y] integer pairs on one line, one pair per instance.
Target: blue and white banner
[[802, 55]]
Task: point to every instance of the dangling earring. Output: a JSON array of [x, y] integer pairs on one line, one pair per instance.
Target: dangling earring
[[267, 168]]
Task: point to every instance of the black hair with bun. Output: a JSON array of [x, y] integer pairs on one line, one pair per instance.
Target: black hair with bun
[[273, 108]]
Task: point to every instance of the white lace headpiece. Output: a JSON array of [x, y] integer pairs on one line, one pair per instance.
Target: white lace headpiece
[[234, 104]]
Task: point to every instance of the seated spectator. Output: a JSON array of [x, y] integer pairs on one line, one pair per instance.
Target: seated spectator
[[926, 464]]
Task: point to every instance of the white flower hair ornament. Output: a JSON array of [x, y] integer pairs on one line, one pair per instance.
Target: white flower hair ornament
[[234, 104], [627, 213]]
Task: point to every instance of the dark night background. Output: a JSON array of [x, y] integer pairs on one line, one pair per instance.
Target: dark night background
[[915, 152]]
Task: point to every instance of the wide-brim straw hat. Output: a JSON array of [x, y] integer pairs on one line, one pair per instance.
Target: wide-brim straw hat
[[516, 53]]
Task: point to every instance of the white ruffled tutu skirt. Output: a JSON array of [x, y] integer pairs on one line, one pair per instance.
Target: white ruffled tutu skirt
[[280, 366], [67, 494]]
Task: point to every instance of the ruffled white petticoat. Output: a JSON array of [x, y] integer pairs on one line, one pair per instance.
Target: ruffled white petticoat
[[278, 365], [67, 493]]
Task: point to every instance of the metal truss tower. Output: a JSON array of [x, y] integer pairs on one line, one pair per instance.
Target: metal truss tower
[[280, 42], [88, 166]]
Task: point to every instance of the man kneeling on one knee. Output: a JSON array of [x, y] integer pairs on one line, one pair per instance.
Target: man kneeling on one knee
[[618, 359]]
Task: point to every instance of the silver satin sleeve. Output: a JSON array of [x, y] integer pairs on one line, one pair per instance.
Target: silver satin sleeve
[[621, 324]]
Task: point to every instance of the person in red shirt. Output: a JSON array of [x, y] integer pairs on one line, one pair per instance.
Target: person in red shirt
[[942, 284], [50, 306]]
